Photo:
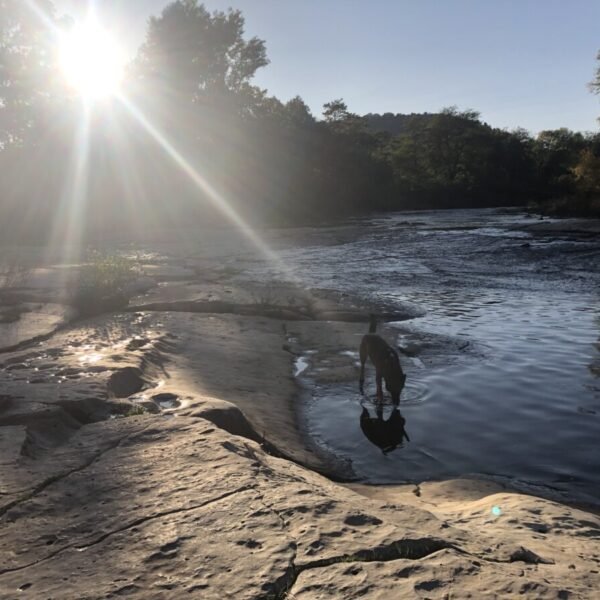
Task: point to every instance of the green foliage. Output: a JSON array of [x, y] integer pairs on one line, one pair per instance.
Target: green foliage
[[595, 83], [336, 111], [453, 159], [106, 274], [587, 173], [102, 284], [200, 57], [28, 64], [135, 411], [556, 153]]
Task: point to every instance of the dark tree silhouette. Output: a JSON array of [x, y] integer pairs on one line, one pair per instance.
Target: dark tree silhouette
[[27, 71], [200, 57], [595, 83]]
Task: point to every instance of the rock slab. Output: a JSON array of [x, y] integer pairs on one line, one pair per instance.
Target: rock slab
[[156, 507]]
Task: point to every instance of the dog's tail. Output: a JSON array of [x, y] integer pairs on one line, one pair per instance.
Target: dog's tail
[[372, 323]]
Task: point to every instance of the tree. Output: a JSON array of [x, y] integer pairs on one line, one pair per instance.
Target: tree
[[451, 158], [556, 152], [454, 139], [27, 65], [595, 84], [336, 111], [298, 112], [200, 57], [587, 173]]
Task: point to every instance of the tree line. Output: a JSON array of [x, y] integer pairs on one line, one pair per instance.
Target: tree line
[[195, 133]]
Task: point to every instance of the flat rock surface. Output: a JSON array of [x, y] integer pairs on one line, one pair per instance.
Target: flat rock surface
[[33, 320], [156, 507], [137, 460]]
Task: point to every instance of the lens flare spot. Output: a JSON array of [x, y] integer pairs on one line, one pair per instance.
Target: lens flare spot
[[91, 61]]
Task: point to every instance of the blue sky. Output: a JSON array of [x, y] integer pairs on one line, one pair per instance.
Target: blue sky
[[519, 62]]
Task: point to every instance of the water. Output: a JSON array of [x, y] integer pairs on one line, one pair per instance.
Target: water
[[505, 380]]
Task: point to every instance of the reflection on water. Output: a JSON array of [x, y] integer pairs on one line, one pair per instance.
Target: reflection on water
[[594, 366], [502, 379], [386, 434], [300, 365]]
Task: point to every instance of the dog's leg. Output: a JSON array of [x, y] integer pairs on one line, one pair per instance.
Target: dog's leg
[[378, 379], [396, 393], [363, 360]]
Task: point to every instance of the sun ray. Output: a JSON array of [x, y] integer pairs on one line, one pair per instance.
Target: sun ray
[[213, 195], [68, 226], [130, 178], [69, 219], [42, 16]]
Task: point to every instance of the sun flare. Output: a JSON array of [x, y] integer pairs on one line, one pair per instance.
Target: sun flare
[[91, 61]]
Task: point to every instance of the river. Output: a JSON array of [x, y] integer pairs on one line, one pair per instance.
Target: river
[[512, 391]]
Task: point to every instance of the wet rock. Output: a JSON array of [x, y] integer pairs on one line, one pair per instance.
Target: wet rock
[[89, 302], [410, 349], [87, 410], [37, 321], [136, 344], [125, 382], [166, 400], [226, 416]]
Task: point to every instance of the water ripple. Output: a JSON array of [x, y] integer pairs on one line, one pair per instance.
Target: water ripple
[[504, 379]]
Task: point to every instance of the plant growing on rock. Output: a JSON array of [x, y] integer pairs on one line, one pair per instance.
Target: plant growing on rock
[[102, 284]]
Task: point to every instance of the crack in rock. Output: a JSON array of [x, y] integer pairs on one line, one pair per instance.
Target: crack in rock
[[411, 549], [402, 549], [130, 525], [59, 476], [164, 513], [284, 582]]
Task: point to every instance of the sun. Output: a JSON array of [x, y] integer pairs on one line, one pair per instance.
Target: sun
[[91, 61]]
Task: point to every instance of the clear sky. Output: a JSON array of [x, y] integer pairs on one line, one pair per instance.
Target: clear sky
[[519, 62]]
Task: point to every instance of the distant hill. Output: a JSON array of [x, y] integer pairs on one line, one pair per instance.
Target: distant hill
[[394, 124]]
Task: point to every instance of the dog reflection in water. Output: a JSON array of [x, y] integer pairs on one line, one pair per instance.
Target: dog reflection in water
[[387, 435]]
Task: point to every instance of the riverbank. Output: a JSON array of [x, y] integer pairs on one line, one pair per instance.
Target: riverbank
[[569, 207], [126, 506], [157, 453], [171, 503]]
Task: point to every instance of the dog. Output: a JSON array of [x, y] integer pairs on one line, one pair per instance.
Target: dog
[[386, 361]]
